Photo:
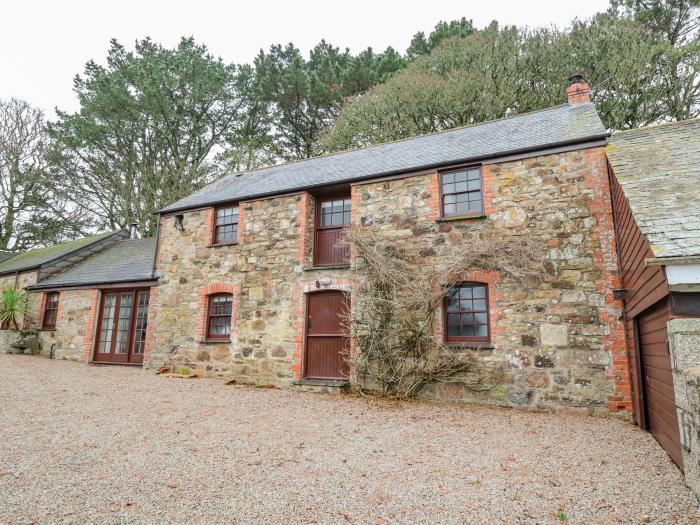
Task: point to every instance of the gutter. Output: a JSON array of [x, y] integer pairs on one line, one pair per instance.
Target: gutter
[[492, 156], [91, 284], [672, 261]]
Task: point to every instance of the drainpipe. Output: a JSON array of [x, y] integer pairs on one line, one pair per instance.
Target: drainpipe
[[16, 278], [155, 252]]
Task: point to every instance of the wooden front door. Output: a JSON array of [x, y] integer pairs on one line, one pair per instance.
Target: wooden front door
[[121, 329], [657, 379], [325, 342]]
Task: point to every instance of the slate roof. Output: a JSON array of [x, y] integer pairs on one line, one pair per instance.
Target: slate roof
[[127, 260], [40, 256], [659, 170], [527, 132]]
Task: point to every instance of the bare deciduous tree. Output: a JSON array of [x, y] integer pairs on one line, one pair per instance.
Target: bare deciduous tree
[[33, 207]]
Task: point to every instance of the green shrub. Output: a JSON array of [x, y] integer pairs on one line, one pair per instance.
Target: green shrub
[[14, 304]]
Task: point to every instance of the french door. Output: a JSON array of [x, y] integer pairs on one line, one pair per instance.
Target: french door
[[121, 329]]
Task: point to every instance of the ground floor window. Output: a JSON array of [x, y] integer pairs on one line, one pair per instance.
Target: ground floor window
[[219, 312], [50, 311], [466, 314]]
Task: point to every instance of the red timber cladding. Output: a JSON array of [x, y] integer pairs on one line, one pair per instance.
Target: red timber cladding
[[644, 285]]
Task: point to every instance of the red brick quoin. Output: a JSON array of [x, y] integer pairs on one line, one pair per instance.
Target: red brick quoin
[[605, 259]]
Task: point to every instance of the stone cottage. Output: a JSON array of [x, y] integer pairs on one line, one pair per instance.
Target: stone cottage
[[247, 279], [252, 277]]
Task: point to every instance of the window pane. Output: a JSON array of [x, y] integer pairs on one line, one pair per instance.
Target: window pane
[[480, 305], [453, 326], [468, 330], [462, 207], [479, 291], [448, 188], [107, 323], [449, 209], [482, 331], [474, 175], [450, 199], [448, 177]]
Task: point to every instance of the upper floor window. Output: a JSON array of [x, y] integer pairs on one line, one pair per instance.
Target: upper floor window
[[331, 216], [50, 311], [467, 314], [219, 312], [226, 225], [461, 193]]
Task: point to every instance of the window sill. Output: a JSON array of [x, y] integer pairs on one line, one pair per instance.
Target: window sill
[[462, 217], [219, 244], [344, 266], [214, 341], [471, 346]]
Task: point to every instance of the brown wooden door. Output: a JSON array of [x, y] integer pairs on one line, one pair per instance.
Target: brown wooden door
[[325, 342], [657, 379], [121, 329]]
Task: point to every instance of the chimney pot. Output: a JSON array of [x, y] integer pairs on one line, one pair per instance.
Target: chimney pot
[[133, 231], [578, 91]]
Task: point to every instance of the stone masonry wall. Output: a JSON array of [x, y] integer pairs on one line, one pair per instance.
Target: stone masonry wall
[[684, 344], [73, 336], [559, 344], [261, 271]]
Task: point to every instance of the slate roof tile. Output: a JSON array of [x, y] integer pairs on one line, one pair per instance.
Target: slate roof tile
[[659, 170], [126, 260], [525, 132]]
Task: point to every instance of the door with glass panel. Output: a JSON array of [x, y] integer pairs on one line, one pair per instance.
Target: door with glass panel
[[121, 329]]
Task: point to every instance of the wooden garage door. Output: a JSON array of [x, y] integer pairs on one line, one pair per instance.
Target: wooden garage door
[[659, 400]]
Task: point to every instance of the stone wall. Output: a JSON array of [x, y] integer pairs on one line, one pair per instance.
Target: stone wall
[[72, 338], [261, 270], [684, 343], [559, 344]]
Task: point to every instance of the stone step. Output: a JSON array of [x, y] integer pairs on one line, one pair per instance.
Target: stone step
[[325, 386]]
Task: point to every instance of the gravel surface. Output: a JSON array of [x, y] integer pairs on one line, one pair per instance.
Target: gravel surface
[[86, 444]]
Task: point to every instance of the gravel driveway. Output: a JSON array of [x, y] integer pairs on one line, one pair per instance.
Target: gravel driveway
[[86, 444]]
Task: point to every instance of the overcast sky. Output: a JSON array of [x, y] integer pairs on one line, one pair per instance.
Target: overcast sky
[[43, 44]]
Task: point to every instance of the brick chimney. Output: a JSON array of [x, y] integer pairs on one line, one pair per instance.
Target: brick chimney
[[578, 90]]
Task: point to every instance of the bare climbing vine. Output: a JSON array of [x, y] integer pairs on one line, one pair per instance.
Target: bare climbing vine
[[396, 302]]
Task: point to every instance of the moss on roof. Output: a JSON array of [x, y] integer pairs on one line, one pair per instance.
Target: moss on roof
[[35, 258]]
